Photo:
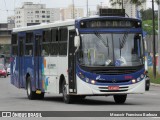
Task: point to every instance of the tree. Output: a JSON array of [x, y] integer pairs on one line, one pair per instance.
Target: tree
[[147, 14], [120, 2]]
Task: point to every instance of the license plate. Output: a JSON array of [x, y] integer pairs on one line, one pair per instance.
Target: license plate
[[113, 87]]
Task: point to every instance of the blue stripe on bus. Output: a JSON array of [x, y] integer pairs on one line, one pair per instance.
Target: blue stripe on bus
[[137, 30], [93, 76]]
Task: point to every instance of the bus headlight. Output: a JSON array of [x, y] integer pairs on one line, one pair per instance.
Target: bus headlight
[[87, 80], [138, 79], [134, 81], [142, 76], [81, 75], [93, 81]]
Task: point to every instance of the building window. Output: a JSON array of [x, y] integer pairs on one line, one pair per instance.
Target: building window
[[37, 16], [48, 16], [37, 21], [43, 16], [48, 21], [43, 21], [48, 12], [36, 11], [43, 11]]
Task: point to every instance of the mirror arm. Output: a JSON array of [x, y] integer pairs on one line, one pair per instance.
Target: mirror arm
[[77, 32], [76, 50]]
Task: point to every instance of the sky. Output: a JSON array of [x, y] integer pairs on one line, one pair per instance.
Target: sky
[[7, 6]]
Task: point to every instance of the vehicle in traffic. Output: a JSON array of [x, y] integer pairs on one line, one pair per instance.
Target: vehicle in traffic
[[2, 59], [8, 70], [95, 56], [3, 71]]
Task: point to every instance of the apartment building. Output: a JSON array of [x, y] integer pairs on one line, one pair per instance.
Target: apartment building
[[71, 12], [31, 14]]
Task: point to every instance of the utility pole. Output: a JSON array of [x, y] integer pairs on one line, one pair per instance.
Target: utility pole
[[159, 37], [87, 8], [101, 4], [154, 47], [73, 8], [122, 4]]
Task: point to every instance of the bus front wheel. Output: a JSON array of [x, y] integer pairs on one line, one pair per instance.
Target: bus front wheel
[[66, 98], [120, 99]]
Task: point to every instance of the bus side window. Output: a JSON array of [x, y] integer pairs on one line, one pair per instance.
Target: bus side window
[[63, 37], [29, 44], [14, 43], [54, 42], [46, 36], [46, 42]]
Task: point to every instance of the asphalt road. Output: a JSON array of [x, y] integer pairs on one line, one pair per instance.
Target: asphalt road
[[14, 99]]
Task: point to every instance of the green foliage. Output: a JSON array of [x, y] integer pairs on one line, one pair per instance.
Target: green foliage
[[147, 26], [4, 49], [136, 2], [147, 14], [154, 80]]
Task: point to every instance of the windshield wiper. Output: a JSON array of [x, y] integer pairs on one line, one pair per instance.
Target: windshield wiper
[[122, 43], [101, 38], [103, 41]]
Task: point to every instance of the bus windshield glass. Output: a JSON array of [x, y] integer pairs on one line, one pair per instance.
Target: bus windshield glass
[[111, 49]]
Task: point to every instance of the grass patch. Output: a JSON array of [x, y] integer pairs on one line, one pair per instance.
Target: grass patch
[[154, 80]]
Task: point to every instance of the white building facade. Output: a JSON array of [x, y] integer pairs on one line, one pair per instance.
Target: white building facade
[[71, 13], [30, 14]]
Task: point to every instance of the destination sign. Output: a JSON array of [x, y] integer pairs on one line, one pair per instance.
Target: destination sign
[[110, 24]]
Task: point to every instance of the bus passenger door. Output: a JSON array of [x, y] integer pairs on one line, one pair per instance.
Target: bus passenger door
[[21, 39], [71, 63], [37, 61]]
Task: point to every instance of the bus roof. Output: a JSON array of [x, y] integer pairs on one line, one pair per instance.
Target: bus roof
[[108, 17], [45, 25], [69, 22]]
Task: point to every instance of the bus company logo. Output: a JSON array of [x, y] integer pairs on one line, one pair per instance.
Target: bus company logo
[[6, 114], [114, 81], [99, 78]]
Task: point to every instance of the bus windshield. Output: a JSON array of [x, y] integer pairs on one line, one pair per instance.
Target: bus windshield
[[111, 49]]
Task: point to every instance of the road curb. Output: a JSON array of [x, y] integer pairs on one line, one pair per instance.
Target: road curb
[[157, 85]]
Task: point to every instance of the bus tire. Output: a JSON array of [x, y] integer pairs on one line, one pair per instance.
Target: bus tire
[[120, 99], [147, 88], [31, 95], [147, 85], [66, 98]]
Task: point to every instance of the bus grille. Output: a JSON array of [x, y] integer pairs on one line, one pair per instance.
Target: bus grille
[[117, 81], [114, 72]]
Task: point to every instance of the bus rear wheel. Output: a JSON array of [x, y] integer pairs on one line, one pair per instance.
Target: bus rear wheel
[[66, 98], [31, 95], [120, 99]]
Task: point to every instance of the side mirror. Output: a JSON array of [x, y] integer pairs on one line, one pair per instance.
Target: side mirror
[[76, 41]]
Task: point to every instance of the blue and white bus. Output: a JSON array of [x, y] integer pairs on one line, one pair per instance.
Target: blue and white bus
[[96, 56]]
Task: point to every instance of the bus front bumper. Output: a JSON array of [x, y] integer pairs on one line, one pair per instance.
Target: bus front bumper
[[84, 88]]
